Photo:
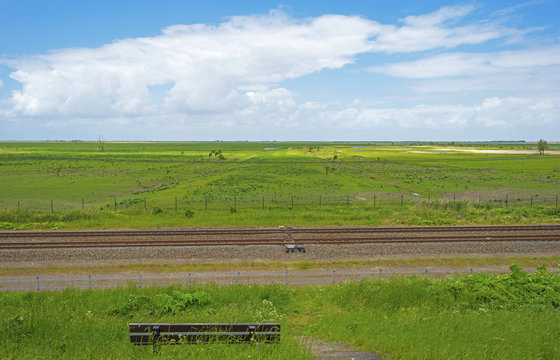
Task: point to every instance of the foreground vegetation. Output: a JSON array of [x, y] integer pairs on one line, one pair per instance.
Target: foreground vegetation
[[134, 185], [514, 316]]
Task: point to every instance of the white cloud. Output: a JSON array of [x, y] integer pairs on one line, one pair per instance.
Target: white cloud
[[514, 8], [492, 112], [473, 64], [438, 30], [210, 68]]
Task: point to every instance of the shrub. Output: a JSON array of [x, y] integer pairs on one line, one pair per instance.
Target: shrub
[[178, 301]]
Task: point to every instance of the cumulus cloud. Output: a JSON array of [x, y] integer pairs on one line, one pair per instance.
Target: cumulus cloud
[[208, 69]]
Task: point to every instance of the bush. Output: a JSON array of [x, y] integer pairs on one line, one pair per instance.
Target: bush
[[178, 301], [189, 214], [157, 211]]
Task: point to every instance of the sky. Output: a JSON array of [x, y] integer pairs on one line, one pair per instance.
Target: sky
[[134, 70]]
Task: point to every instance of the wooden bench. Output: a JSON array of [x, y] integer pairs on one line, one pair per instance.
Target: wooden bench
[[200, 333]]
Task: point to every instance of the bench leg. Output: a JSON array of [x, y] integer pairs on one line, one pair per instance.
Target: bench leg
[[156, 333]]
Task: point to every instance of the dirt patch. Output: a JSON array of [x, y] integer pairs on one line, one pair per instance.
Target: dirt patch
[[479, 151]]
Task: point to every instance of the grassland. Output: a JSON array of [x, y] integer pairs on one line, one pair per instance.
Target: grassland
[[512, 316], [134, 185]]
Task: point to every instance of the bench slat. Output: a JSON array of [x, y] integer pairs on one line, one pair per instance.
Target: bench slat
[[200, 327]]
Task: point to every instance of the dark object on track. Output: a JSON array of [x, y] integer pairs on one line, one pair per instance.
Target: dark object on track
[[291, 248]]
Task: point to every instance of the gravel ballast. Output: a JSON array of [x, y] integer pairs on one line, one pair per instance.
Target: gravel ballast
[[265, 253]]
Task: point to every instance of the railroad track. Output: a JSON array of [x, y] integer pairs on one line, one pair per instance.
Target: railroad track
[[31, 240]]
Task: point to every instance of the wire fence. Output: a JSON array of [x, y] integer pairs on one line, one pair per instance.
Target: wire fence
[[267, 202], [293, 278]]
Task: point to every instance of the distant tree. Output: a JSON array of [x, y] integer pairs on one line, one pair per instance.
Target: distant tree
[[218, 154], [542, 145]]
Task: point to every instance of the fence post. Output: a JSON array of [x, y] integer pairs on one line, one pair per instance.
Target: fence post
[[454, 197], [333, 276], [531, 200], [286, 277], [238, 276], [235, 202], [115, 203], [380, 274], [189, 279], [402, 200], [140, 280], [426, 273], [471, 271], [506, 200], [18, 202], [175, 203], [374, 201], [556, 200], [89, 276], [38, 288], [52, 208], [83, 204]]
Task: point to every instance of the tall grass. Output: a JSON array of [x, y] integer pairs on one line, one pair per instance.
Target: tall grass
[[424, 213], [514, 316]]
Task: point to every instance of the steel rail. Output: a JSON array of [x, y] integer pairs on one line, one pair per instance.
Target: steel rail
[[264, 241], [262, 231]]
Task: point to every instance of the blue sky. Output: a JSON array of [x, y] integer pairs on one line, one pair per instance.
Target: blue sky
[[262, 70]]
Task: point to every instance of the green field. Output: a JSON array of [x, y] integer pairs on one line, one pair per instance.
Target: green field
[[134, 185], [513, 316]]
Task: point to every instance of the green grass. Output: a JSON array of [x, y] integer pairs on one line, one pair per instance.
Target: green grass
[[417, 214], [513, 316], [295, 183]]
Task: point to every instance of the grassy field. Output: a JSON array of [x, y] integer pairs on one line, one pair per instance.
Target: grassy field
[[481, 316], [134, 185]]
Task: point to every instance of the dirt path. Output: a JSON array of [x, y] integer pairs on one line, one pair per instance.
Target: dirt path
[[339, 351]]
